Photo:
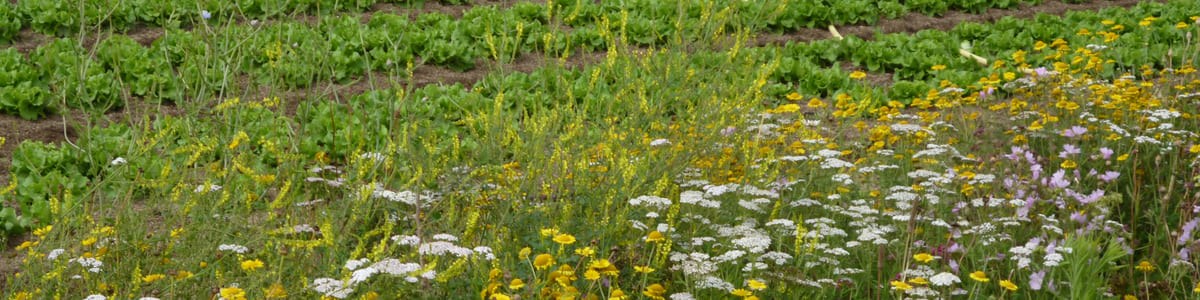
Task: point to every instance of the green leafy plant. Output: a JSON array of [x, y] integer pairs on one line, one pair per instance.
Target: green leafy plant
[[10, 22]]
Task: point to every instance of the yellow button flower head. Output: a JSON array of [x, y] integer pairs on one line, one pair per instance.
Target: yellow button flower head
[[499, 297], [858, 75], [654, 291], [1008, 285], [654, 236], [585, 251], [524, 253], [938, 67], [564, 239], [900, 285], [543, 261], [923, 257], [617, 294], [549, 231], [742, 293], [276, 291], [756, 285], [979, 276], [1068, 164], [1197, 288], [152, 278], [794, 96], [591, 274], [516, 284], [251, 265], [919, 281], [233, 293], [643, 269], [1145, 267], [816, 103]]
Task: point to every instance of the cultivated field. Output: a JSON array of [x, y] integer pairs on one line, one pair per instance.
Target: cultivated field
[[637, 149]]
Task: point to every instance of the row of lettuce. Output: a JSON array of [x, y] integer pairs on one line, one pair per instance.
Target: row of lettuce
[[198, 64], [64, 18], [447, 113]]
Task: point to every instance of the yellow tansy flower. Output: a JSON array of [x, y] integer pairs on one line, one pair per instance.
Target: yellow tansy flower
[[979, 276], [251, 265], [565, 239], [543, 261], [1008, 285], [233, 293], [923, 257], [654, 236], [1145, 267]]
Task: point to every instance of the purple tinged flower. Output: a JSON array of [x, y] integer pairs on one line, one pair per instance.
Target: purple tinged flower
[[1079, 217], [1033, 243], [1109, 176], [1037, 171], [1088, 199], [984, 93], [204, 14], [1036, 279], [1106, 153], [1069, 150], [954, 266], [1186, 234], [728, 131], [1059, 180], [1016, 153], [1184, 253], [1074, 131], [1041, 72]]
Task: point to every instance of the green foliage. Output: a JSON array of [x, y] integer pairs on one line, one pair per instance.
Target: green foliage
[[10, 22], [80, 81], [44, 171], [145, 73], [21, 89], [904, 90]]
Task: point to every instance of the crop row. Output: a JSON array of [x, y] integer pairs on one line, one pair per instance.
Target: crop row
[[450, 114], [978, 54], [295, 55], [64, 18], [650, 19]]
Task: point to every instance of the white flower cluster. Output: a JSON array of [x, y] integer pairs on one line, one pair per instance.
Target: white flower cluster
[[406, 197], [654, 202], [90, 263], [340, 289], [235, 248], [697, 198]]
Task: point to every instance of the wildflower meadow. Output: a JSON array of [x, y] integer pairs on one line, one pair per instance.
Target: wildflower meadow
[[699, 149]]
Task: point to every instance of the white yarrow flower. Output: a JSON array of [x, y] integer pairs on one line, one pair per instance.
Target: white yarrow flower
[[944, 279]]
